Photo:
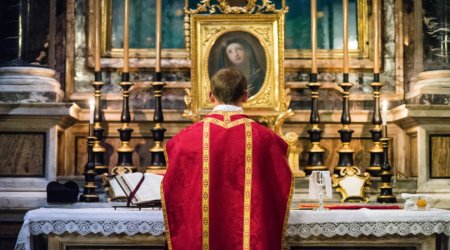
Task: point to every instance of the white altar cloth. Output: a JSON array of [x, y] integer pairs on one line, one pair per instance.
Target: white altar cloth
[[302, 223], [306, 223], [104, 221]]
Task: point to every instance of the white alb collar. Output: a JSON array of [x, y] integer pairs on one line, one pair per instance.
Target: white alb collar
[[227, 107]]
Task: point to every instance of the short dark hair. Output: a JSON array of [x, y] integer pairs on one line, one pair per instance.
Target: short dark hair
[[228, 85]]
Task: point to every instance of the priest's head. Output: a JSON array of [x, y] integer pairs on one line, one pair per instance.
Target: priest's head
[[228, 86]]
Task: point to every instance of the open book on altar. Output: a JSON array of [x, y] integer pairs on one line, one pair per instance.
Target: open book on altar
[[139, 188]]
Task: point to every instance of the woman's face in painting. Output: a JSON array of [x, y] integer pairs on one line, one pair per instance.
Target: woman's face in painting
[[236, 53]]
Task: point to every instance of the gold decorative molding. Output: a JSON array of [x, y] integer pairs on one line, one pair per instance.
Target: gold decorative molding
[[251, 7]]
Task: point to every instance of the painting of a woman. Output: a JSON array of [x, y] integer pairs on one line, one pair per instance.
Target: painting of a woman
[[237, 50]]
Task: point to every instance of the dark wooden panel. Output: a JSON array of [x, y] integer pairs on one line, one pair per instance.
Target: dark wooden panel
[[141, 155], [440, 156], [413, 156], [22, 154], [112, 248], [353, 248], [8, 234]]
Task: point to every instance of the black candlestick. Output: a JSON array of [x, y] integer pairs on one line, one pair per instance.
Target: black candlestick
[[386, 195], [315, 154], [345, 153], [376, 152], [89, 194], [98, 149], [125, 151], [158, 160]]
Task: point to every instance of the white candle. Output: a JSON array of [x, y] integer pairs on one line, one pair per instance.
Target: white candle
[[384, 110], [158, 35], [376, 28], [345, 35], [313, 37], [125, 38], [91, 111], [97, 35]]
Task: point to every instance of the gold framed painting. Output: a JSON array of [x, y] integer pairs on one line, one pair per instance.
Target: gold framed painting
[[260, 39]]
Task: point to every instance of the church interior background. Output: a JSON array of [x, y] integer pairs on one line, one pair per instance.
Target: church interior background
[[48, 74]]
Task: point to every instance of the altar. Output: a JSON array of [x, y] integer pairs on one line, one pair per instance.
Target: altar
[[67, 228]]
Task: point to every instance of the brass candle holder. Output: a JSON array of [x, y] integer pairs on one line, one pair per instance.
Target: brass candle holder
[[386, 195], [315, 154], [125, 151], [376, 151], [345, 153], [98, 149], [158, 160], [89, 194]]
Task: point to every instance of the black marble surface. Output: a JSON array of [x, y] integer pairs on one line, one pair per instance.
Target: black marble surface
[[436, 33], [24, 31]]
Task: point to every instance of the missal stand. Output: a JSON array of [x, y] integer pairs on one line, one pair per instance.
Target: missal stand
[[135, 200]]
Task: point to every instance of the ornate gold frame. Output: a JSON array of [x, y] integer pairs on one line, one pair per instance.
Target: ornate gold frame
[[349, 178], [224, 7], [271, 100]]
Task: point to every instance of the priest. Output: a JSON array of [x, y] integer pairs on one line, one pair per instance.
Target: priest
[[228, 184]]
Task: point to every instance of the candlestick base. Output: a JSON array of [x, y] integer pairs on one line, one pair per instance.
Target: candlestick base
[[386, 195], [99, 150], [376, 152], [89, 194], [387, 199], [89, 198]]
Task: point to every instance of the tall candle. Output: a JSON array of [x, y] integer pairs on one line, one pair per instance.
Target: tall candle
[[376, 37], [345, 33], [313, 36], [125, 38], [97, 36], [384, 110], [91, 111], [158, 35]]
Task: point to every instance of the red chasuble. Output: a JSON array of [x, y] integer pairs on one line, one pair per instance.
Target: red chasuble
[[227, 186]]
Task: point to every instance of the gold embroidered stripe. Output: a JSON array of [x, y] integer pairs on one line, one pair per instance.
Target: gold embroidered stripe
[[248, 183], [163, 201], [205, 187], [226, 124]]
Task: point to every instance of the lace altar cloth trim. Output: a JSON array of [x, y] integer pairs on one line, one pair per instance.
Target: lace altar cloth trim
[[303, 224], [104, 221], [367, 222]]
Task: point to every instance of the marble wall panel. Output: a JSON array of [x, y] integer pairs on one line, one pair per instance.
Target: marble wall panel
[[414, 166], [82, 76], [436, 54], [431, 99], [409, 31], [440, 156], [22, 154]]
